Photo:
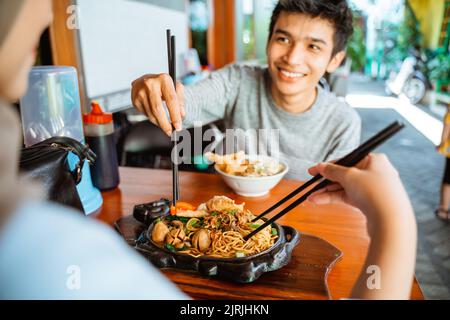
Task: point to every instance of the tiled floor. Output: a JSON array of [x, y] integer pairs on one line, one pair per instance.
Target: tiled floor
[[421, 169]]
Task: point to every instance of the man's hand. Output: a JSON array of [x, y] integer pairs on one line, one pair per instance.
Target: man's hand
[[148, 93]]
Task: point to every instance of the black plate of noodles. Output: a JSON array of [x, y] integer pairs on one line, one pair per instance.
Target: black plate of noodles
[[209, 240]]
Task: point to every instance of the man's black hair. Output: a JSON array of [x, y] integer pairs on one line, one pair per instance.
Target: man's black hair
[[335, 11]]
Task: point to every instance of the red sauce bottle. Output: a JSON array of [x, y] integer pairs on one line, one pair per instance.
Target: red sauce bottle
[[99, 134]]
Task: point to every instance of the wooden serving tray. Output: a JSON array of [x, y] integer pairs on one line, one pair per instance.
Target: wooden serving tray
[[303, 278]]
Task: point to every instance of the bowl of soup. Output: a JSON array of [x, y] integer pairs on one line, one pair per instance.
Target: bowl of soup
[[249, 176]]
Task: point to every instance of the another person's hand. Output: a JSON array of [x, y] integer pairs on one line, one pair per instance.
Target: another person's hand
[[373, 186], [147, 95]]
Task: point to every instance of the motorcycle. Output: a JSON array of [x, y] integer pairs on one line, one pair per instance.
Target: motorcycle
[[411, 79]]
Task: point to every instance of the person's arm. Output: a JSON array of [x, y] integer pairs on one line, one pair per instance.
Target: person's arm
[[445, 133], [208, 100], [205, 101], [375, 188]]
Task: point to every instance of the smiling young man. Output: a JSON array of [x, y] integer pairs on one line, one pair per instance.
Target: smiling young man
[[307, 39]]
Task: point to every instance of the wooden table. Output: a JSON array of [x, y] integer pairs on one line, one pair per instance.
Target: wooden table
[[342, 226]]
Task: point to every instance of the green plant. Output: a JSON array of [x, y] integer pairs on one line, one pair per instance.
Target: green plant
[[249, 31], [356, 49], [439, 67], [409, 34], [399, 39]]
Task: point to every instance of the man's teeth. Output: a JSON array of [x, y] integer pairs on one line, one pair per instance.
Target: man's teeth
[[292, 74]]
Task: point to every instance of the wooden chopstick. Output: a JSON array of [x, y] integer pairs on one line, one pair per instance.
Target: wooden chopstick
[[172, 62], [350, 160]]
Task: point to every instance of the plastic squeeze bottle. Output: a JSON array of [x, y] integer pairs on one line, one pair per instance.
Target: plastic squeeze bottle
[[99, 134]]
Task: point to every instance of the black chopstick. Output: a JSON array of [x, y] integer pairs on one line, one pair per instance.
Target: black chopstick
[[175, 134], [350, 160], [171, 54], [345, 161], [289, 196], [169, 50]]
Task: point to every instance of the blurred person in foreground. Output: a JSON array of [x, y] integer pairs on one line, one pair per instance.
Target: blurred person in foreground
[[43, 245], [48, 251]]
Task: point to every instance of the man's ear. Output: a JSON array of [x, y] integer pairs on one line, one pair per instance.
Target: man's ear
[[336, 61]]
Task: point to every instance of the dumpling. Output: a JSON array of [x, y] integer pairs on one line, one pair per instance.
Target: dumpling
[[222, 203]]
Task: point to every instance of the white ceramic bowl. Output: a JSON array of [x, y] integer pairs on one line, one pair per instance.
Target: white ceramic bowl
[[253, 186]]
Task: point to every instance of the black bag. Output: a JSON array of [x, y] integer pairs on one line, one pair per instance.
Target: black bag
[[47, 163]]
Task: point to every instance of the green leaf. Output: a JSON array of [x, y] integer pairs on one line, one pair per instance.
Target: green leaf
[[198, 224], [254, 225], [170, 247], [274, 232], [184, 220], [176, 218]]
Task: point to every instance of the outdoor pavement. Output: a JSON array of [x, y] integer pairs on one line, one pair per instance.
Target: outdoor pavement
[[421, 169]]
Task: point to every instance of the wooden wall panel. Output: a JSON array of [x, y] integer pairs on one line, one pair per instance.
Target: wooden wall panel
[[64, 42], [221, 35]]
